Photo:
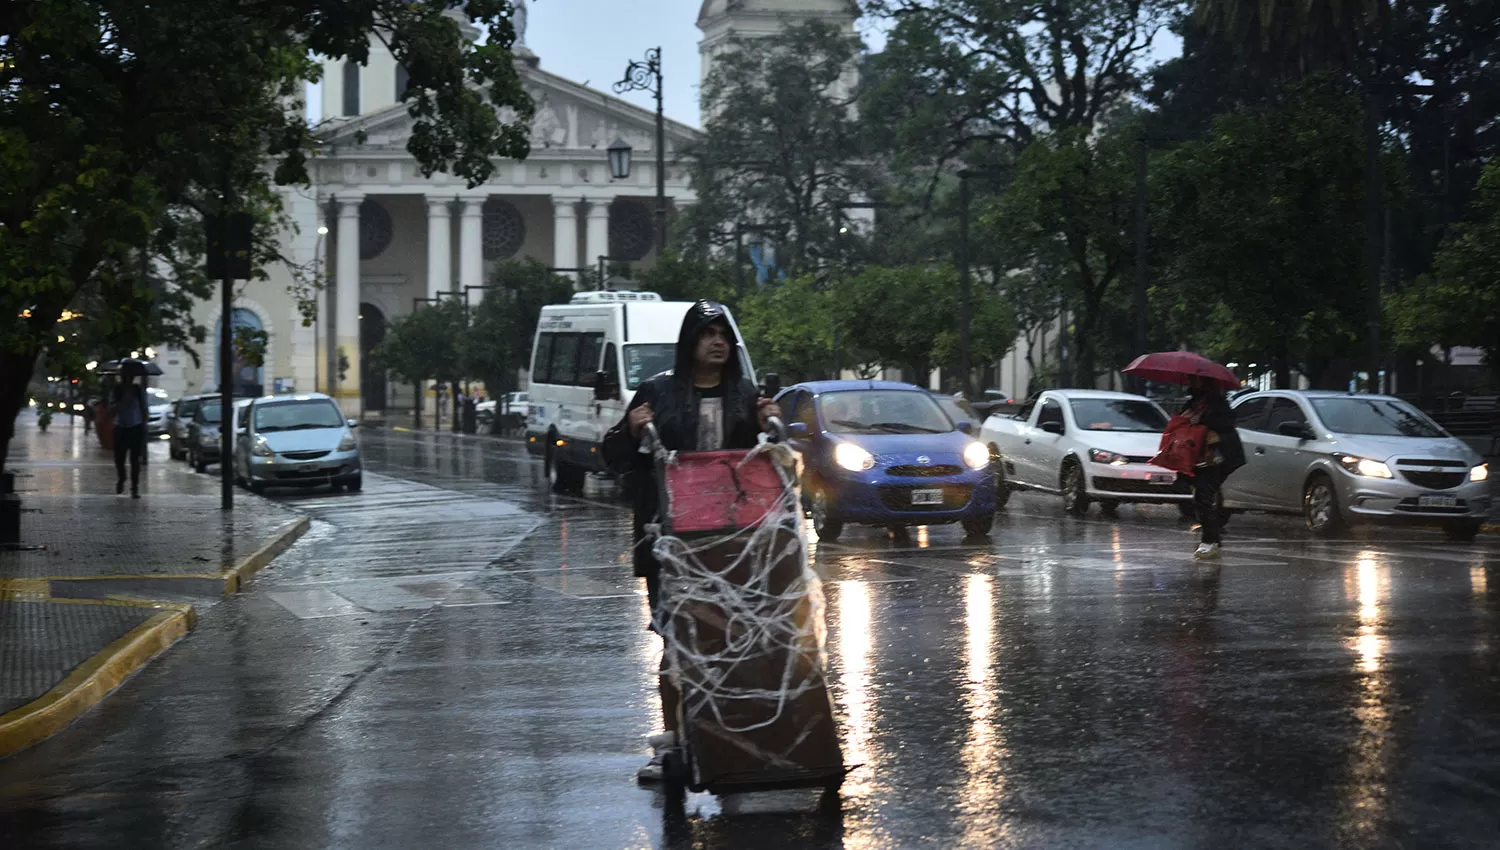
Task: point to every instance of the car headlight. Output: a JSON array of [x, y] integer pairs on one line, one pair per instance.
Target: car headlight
[[976, 456], [1480, 473], [347, 444], [262, 448], [1366, 467], [852, 457], [1102, 456]]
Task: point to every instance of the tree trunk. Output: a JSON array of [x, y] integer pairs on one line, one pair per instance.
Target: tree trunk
[[15, 375]]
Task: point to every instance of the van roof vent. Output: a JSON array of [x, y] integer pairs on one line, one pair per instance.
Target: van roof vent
[[612, 297]]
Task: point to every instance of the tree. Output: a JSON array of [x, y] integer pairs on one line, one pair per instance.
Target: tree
[[959, 77], [1068, 212], [498, 340], [676, 277], [790, 329], [782, 144], [1459, 302], [1294, 38], [122, 124], [425, 345], [1263, 229]]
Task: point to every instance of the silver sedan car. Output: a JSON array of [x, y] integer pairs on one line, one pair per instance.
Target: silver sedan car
[[1338, 458], [297, 440]]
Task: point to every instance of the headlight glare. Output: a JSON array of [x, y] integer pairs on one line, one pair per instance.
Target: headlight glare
[[261, 449], [1480, 473], [976, 456], [347, 444], [853, 458], [1366, 467]]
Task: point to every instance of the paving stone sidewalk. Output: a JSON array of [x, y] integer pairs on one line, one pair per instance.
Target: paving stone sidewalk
[[99, 545]]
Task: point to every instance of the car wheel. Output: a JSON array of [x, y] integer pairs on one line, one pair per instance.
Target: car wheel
[[354, 484], [979, 527], [256, 487], [563, 476], [1002, 488], [198, 463], [1110, 509], [1320, 507], [826, 529], [1462, 531], [1075, 492]]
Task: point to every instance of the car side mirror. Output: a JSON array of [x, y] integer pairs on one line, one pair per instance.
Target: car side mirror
[[773, 385], [796, 431], [966, 427], [604, 387], [1294, 429], [1052, 427], [352, 423]]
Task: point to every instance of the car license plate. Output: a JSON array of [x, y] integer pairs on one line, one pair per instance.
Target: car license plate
[[1437, 502], [927, 497], [1158, 478], [307, 467]]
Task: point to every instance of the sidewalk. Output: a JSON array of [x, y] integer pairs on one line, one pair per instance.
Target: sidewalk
[[115, 580]]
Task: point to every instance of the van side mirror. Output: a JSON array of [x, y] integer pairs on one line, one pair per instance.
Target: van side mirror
[[773, 385], [1052, 427], [352, 423], [796, 431], [605, 386]]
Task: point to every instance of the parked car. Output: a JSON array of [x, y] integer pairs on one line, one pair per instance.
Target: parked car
[[958, 410], [513, 415], [884, 453], [300, 440], [158, 405], [1338, 458], [1087, 446], [178, 418], [203, 441]]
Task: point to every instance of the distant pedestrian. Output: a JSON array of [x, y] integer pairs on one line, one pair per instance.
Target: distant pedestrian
[[129, 409], [1222, 454]]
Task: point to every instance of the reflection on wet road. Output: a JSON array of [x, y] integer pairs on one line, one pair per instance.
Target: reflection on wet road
[[458, 658]]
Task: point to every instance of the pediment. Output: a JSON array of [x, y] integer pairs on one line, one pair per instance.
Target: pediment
[[568, 116]]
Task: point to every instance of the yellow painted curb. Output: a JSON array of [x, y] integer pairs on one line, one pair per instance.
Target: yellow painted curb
[[284, 538], [94, 679]]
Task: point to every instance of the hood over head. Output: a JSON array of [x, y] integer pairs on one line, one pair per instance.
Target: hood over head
[[699, 316]]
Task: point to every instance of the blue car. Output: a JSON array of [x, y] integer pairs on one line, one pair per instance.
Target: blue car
[[885, 453]]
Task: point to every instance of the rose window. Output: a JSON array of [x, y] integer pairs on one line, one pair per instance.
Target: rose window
[[630, 229], [504, 230]]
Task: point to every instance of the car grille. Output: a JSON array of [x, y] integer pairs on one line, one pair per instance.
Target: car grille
[[1406, 461], [1141, 488], [924, 471], [898, 498], [1435, 480], [298, 474], [303, 455]]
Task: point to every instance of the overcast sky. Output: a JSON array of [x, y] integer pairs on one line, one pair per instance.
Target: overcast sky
[[591, 41]]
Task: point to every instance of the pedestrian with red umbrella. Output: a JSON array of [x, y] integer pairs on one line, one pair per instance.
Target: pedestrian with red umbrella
[[1206, 405]]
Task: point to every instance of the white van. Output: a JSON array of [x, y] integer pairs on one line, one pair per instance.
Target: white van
[[629, 335]]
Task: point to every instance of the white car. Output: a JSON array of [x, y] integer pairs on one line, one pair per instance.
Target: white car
[[513, 415], [1086, 445]]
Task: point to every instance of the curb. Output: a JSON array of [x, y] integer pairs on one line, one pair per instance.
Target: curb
[[94, 679]]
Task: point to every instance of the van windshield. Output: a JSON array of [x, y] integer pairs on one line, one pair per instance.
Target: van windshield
[[646, 360]]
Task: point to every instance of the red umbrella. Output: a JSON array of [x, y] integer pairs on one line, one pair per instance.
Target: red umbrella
[[1181, 367]]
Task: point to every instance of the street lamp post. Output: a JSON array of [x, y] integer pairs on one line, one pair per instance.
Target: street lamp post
[[646, 76]]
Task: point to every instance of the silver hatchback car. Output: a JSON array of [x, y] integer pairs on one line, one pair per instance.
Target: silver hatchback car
[[296, 440], [1338, 458]]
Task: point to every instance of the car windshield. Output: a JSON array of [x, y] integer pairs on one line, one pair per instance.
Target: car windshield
[[209, 413], [1382, 417], [1118, 414], [189, 408], [645, 360], [882, 412], [158, 396], [297, 416], [956, 410]]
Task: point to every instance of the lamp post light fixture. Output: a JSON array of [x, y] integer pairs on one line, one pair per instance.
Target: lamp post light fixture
[[619, 159], [646, 76]]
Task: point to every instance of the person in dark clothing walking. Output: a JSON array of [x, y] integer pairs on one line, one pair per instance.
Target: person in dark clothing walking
[[129, 404], [1222, 455], [705, 403]]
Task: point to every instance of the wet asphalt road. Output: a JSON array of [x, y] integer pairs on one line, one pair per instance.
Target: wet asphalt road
[[455, 658]]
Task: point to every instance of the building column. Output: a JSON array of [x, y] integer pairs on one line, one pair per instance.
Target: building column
[[439, 245], [597, 236], [471, 247], [565, 237], [346, 310]]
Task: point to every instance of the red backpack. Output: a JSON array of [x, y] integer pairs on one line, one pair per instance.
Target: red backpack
[[1182, 445]]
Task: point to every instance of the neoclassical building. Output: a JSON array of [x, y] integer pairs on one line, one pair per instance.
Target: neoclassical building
[[387, 237]]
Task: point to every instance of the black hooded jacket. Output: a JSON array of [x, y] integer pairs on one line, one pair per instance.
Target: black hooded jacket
[[1219, 418], [674, 403]]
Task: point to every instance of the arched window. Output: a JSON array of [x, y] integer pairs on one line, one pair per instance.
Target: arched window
[[351, 88], [403, 79]]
